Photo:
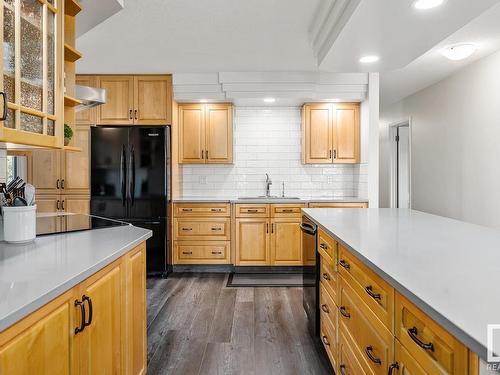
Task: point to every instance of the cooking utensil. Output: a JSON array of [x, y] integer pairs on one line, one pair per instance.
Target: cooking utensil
[[29, 194], [19, 201]]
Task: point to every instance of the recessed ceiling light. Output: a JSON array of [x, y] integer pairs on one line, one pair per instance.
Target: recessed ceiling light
[[369, 59], [459, 51], [269, 100], [427, 4], [203, 100]]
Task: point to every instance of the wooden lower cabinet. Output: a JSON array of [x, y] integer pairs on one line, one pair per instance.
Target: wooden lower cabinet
[[286, 242], [404, 363], [110, 338], [252, 241]]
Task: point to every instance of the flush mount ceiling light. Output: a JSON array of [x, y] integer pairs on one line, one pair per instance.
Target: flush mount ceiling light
[[269, 100], [427, 4], [458, 52], [369, 59]]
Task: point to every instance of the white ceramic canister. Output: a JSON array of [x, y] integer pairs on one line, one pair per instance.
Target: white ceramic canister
[[19, 224]]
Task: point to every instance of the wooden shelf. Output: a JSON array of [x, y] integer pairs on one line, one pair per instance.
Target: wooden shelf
[[69, 101], [72, 149], [71, 7], [71, 54]]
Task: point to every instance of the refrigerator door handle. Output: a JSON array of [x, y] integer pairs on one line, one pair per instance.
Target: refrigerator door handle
[[123, 174], [132, 175]]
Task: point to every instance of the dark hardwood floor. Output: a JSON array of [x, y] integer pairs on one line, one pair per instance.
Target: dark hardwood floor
[[198, 326]]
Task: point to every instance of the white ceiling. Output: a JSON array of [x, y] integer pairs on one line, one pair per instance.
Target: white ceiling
[[214, 36]]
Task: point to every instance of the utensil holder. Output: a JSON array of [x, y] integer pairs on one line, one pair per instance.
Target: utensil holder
[[19, 224]]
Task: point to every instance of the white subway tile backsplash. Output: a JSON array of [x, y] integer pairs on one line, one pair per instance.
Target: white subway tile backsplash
[[269, 141]]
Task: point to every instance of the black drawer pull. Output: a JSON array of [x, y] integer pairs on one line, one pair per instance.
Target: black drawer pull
[[392, 367], [412, 332], [216, 210], [216, 228], [287, 210], [216, 252], [369, 353], [344, 312], [252, 211], [344, 264], [89, 301], [323, 246], [187, 210], [326, 276], [187, 229], [325, 308], [82, 312], [325, 340], [369, 290], [187, 252], [342, 370]]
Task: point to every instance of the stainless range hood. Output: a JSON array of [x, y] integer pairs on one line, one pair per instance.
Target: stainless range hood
[[89, 96]]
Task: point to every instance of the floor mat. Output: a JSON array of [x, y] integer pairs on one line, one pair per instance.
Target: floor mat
[[264, 279]]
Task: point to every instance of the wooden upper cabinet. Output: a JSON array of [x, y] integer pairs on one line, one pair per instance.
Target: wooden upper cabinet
[[317, 134], [87, 116], [191, 134], [139, 100], [330, 133], [152, 95], [46, 171], [205, 133], [76, 177], [346, 133], [119, 107]]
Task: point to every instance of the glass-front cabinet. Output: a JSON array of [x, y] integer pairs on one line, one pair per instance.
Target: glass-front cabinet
[[31, 103]]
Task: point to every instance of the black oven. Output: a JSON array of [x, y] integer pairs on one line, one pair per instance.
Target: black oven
[[310, 274]]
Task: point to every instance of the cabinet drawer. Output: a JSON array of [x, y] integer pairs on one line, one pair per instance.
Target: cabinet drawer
[[374, 342], [432, 346], [329, 279], [196, 252], [202, 209], [328, 310], [348, 360], [252, 210], [329, 339], [287, 210], [202, 228], [327, 247], [375, 292]]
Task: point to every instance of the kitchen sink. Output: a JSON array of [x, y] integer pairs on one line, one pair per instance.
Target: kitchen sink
[[270, 197]]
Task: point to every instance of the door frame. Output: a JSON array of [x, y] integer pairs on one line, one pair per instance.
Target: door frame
[[393, 146]]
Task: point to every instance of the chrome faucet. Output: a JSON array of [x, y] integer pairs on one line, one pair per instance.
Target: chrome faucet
[[269, 182]]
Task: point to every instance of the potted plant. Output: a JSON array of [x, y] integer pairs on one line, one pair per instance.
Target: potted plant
[[68, 134]]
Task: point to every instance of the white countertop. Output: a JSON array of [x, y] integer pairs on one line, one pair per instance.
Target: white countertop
[[32, 275], [208, 199], [449, 268]]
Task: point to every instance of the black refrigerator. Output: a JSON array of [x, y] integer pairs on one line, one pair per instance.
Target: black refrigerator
[[130, 181]]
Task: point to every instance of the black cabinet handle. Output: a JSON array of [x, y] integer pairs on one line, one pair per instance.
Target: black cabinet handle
[[216, 210], [252, 210], [57, 184], [344, 264], [89, 301], [369, 353], [371, 293], [392, 367], [323, 246], [342, 370], [267, 228], [215, 229], [308, 229], [135, 114], [187, 210], [62, 205], [344, 312], [272, 227], [188, 229], [130, 114], [206, 154], [187, 252], [82, 312], [335, 154], [330, 154], [62, 183], [216, 252], [326, 276], [412, 332], [58, 205], [325, 308], [4, 113], [325, 340]]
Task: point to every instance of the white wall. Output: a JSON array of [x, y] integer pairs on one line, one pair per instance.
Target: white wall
[[455, 145], [268, 140]]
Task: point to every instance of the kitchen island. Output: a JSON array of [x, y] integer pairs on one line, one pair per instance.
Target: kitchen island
[[420, 270], [77, 299]]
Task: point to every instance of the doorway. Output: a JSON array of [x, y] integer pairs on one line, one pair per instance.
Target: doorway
[[400, 140]]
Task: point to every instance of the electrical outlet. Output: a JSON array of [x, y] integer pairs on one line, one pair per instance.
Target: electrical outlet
[[202, 180]]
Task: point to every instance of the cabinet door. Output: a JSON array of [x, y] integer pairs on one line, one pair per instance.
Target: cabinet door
[[76, 205], [136, 311], [191, 134], [286, 242], [48, 204], [43, 348], [252, 241], [153, 100], [89, 115], [100, 345], [407, 365], [317, 132], [119, 106], [219, 133], [46, 171], [76, 178], [346, 133]]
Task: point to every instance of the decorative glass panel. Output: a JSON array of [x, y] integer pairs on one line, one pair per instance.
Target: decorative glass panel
[[31, 123], [31, 54], [8, 49], [50, 127], [51, 60], [10, 121]]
